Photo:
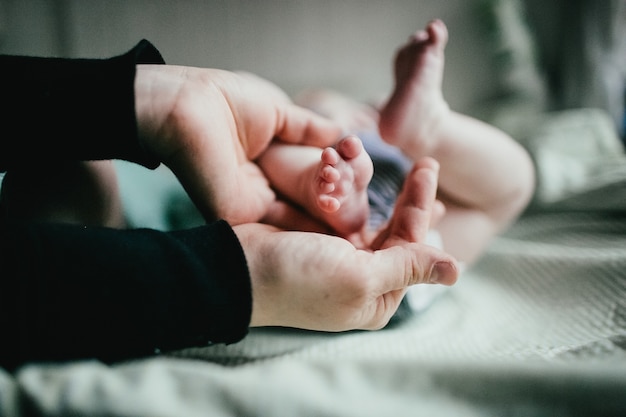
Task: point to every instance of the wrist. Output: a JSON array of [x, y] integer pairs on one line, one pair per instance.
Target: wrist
[[258, 248]]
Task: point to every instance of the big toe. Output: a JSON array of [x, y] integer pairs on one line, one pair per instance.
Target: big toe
[[438, 33], [349, 147]]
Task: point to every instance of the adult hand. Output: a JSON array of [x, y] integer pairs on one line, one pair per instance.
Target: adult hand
[[208, 125], [321, 282]]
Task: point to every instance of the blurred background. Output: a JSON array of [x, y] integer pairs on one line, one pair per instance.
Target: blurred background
[[342, 44], [550, 73], [549, 55]]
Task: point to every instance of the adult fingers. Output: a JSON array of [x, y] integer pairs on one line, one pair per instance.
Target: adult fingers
[[414, 207], [412, 216], [302, 126], [407, 233], [396, 268], [401, 266], [294, 123]]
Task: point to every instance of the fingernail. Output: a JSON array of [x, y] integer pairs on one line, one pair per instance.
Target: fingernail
[[443, 273]]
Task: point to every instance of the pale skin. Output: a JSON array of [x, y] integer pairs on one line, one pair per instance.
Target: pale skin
[[228, 185], [349, 288], [486, 178], [329, 185], [299, 279]]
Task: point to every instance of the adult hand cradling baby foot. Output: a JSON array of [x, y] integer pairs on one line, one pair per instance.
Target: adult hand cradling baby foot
[[327, 284], [209, 125]]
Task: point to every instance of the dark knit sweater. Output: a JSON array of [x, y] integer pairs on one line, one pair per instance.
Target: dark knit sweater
[[73, 292]]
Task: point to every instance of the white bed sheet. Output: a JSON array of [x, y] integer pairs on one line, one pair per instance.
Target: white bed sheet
[[537, 327]]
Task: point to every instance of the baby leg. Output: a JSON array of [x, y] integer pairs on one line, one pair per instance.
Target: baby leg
[[416, 107], [486, 178]]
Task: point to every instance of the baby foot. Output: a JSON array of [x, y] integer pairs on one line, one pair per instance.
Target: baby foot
[[412, 114], [340, 188]]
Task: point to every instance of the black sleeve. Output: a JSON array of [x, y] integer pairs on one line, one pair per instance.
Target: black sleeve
[[72, 292], [69, 292], [71, 109]]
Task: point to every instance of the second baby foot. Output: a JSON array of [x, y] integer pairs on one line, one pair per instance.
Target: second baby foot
[[416, 107]]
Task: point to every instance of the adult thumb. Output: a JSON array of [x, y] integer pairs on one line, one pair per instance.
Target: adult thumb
[[304, 127]]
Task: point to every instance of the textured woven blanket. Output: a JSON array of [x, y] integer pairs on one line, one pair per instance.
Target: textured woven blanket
[[537, 327]]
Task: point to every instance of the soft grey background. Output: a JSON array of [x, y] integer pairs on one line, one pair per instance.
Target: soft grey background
[[343, 44]]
